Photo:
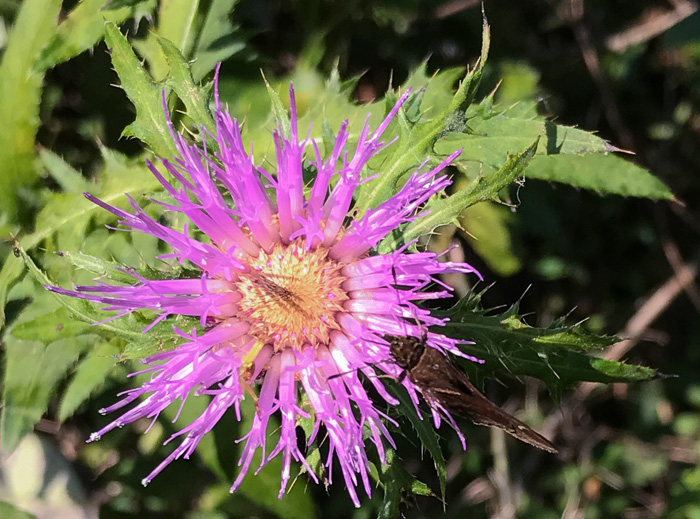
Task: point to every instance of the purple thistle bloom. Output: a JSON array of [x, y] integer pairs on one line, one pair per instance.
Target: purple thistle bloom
[[289, 297]]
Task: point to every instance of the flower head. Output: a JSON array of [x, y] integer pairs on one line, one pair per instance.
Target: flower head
[[290, 297]]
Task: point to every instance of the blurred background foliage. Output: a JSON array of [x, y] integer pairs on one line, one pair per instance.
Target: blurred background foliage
[[629, 70]]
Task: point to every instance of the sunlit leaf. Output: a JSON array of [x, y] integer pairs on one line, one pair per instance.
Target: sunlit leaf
[[79, 31], [605, 174], [150, 124], [181, 82]]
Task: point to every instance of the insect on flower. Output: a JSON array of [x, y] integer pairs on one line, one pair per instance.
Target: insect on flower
[[289, 293], [448, 390]]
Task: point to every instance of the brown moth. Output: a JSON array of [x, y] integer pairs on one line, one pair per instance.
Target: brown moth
[[443, 384]]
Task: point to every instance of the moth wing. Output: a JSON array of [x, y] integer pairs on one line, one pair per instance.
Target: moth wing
[[446, 386]]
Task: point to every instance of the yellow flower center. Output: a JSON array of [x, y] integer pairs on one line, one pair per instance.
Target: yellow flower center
[[291, 296]]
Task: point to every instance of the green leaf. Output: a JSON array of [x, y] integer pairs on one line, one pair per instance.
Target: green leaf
[[70, 213], [63, 173], [181, 82], [129, 328], [20, 94], [313, 455], [296, 503], [89, 375], [490, 138], [443, 211], [417, 141], [555, 355], [606, 174], [218, 39], [280, 113], [32, 372], [82, 29], [150, 125], [8, 511], [178, 22], [567, 155], [396, 481], [101, 268], [424, 429], [50, 327]]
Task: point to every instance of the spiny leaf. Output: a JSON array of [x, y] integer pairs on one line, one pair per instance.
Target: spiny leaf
[[489, 235], [178, 22], [181, 82], [445, 211], [50, 327], [69, 179], [396, 482], [150, 124], [417, 141], [555, 355], [79, 31], [71, 213], [567, 155], [129, 328], [280, 113], [490, 138]]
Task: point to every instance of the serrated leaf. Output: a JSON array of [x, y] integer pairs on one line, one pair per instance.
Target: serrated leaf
[[278, 110], [418, 142], [606, 174], [492, 138], [101, 268], [79, 31], [150, 124], [438, 88], [177, 22], [130, 327], [567, 155], [89, 375], [181, 82], [556, 354], [20, 94], [444, 211]]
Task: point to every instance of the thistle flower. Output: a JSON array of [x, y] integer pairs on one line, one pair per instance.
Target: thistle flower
[[290, 297]]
